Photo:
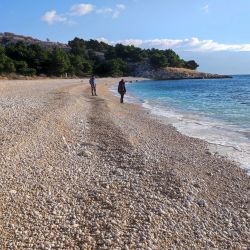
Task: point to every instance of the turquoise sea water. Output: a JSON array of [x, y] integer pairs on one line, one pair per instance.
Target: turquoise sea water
[[227, 100], [217, 110]]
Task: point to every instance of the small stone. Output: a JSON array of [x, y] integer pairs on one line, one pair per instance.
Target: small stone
[[113, 222], [201, 203], [197, 185], [37, 213], [161, 212], [126, 247], [108, 242], [84, 153]]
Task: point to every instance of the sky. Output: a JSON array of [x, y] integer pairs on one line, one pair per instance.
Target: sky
[[215, 33]]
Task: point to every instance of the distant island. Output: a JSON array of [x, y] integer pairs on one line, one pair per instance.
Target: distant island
[[27, 56]]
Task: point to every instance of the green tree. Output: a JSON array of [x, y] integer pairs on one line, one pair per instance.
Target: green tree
[[83, 58], [80, 66], [158, 60], [78, 47], [2, 58], [118, 67], [110, 53], [191, 65], [59, 62], [173, 59], [121, 51], [87, 67], [20, 66], [137, 54], [96, 45], [38, 58], [9, 66], [92, 55], [18, 51], [23, 68], [113, 67], [6, 64]]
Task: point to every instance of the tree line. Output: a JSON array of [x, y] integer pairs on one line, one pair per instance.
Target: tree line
[[83, 58]]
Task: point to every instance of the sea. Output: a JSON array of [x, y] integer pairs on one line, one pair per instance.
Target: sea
[[215, 110]]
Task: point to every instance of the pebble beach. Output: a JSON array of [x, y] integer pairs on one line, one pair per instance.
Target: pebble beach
[[83, 172]]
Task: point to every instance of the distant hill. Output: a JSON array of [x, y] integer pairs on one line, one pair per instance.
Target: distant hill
[[11, 38], [28, 56]]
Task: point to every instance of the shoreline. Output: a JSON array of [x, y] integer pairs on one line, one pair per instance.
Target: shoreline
[[226, 149], [83, 171], [225, 173], [22, 78]]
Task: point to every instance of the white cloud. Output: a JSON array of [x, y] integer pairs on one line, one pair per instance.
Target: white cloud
[[81, 9], [135, 42], [121, 6], [115, 13], [118, 10], [104, 11], [51, 17], [102, 39], [205, 8], [192, 44], [166, 43]]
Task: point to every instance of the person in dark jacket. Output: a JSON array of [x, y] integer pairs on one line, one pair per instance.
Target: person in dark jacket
[[121, 89], [93, 85]]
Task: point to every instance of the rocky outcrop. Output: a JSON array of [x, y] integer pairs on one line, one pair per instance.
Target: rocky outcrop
[[11, 38], [147, 71]]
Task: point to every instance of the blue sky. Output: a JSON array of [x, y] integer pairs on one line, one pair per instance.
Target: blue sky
[[216, 33]]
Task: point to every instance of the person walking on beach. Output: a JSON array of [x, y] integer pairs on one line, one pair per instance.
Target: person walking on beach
[[121, 89], [93, 85]]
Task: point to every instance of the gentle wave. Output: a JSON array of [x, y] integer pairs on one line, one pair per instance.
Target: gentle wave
[[229, 141]]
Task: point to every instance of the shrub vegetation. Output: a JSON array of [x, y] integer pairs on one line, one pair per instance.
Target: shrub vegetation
[[83, 58]]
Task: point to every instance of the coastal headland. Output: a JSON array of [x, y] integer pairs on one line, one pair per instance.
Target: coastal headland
[[83, 172], [171, 73], [78, 58]]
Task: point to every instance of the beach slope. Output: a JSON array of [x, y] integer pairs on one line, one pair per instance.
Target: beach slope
[[83, 172]]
